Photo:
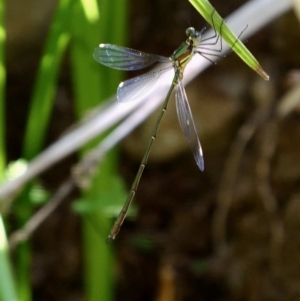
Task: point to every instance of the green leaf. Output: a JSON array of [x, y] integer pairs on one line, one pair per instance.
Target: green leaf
[[7, 285], [210, 14], [2, 88], [46, 81]]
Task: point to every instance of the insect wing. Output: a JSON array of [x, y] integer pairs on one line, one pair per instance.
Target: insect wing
[[123, 58], [187, 124], [136, 87]]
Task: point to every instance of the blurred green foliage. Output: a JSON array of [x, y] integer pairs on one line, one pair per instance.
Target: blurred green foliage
[[77, 26]]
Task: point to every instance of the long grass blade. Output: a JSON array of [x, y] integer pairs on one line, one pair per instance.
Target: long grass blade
[[46, 79], [7, 285], [2, 90], [210, 14], [91, 86]]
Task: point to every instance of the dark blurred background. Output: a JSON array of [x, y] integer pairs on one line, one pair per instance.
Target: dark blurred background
[[229, 233]]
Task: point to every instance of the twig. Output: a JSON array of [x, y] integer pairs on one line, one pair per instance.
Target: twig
[[41, 215], [268, 198], [229, 177]]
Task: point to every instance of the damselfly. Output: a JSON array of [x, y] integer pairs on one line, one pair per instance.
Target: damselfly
[[122, 58]]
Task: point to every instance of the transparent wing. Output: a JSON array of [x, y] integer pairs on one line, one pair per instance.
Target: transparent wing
[[123, 58], [136, 87], [187, 124]]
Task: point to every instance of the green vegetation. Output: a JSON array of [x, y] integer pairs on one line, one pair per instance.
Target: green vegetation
[[78, 26], [214, 19]]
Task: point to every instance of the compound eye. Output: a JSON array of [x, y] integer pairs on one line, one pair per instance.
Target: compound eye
[[190, 32]]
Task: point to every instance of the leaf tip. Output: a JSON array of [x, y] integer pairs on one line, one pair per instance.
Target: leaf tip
[[262, 73]]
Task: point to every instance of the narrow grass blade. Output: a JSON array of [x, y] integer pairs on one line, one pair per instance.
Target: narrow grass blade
[[207, 11], [96, 22], [2, 90], [46, 79], [7, 285], [40, 111]]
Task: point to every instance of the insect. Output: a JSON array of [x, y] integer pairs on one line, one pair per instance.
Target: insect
[[123, 58]]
